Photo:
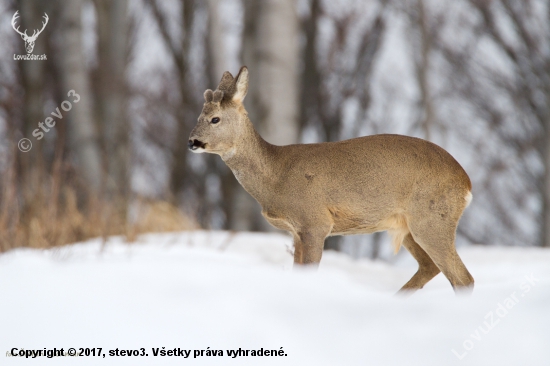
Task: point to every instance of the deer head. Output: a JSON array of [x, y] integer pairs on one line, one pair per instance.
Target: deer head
[[223, 120], [29, 41]]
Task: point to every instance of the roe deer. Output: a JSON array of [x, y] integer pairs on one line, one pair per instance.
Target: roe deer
[[408, 186]]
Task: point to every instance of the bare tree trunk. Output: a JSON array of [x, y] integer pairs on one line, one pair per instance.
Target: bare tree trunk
[[251, 58], [179, 170], [216, 45], [545, 225], [311, 80], [82, 131], [277, 71], [422, 69], [271, 52], [32, 162], [112, 47]]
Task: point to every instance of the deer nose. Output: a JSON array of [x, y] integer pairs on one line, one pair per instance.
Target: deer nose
[[195, 144]]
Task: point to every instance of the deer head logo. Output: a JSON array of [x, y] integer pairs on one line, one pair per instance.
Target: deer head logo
[[29, 41]]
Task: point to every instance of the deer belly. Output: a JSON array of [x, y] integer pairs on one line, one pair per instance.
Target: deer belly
[[346, 222]]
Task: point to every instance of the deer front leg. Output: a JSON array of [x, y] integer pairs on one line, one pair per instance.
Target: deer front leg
[[308, 246], [297, 250]]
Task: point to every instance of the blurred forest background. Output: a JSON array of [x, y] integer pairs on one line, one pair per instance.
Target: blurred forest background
[[473, 76]]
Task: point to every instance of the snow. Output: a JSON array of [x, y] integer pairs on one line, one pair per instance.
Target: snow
[[227, 291]]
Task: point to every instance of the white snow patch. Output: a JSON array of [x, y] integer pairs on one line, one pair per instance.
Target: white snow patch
[[224, 291]]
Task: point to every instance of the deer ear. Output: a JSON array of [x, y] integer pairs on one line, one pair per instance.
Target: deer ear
[[208, 95], [227, 78], [241, 84]]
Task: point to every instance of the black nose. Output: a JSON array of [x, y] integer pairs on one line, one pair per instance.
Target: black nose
[[194, 144]]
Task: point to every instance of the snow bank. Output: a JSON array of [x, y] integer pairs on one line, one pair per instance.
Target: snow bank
[[228, 291]]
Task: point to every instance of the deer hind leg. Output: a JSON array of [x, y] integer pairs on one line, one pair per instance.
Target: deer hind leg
[[426, 267], [437, 238]]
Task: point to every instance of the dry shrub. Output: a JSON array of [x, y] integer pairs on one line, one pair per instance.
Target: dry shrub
[[43, 224], [158, 216]]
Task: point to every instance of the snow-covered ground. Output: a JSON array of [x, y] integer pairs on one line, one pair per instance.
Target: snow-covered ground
[[221, 291]]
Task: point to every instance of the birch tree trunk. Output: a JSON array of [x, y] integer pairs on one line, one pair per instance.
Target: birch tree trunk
[[271, 52], [216, 44], [274, 61]]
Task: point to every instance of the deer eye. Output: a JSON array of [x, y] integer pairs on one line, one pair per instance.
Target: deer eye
[[215, 120]]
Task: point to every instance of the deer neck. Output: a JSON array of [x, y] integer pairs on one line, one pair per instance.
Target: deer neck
[[253, 162]]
